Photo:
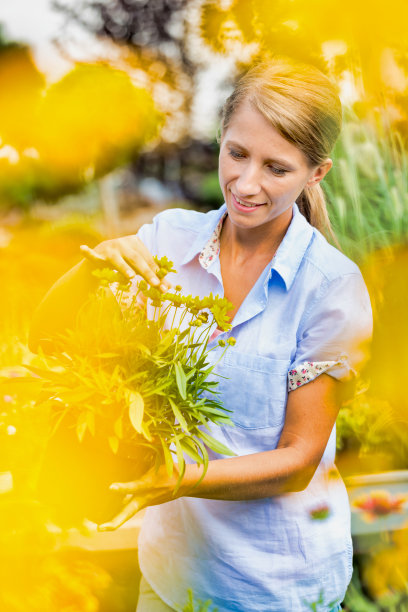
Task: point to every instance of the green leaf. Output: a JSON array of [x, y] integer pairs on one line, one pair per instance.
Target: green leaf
[[118, 427], [90, 422], [204, 455], [134, 377], [74, 396], [143, 348], [47, 374], [168, 459], [191, 373], [180, 461], [216, 445], [183, 334], [159, 389], [113, 443], [86, 381], [146, 432], [81, 426], [178, 415], [189, 448], [217, 411], [166, 342], [224, 420], [181, 380], [115, 377], [20, 381], [107, 401], [136, 409]]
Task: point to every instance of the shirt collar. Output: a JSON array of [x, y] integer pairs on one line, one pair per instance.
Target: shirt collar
[[287, 259], [210, 231], [293, 247]]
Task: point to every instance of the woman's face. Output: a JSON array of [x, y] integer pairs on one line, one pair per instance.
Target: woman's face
[[261, 174]]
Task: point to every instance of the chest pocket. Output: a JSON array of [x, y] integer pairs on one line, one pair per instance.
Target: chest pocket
[[254, 389]]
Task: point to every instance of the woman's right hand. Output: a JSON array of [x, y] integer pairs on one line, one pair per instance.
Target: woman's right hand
[[129, 256], [59, 308]]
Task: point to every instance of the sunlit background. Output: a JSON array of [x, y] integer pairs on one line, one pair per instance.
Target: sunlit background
[[108, 114]]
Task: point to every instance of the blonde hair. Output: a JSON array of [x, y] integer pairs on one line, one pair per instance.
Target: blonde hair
[[303, 105]]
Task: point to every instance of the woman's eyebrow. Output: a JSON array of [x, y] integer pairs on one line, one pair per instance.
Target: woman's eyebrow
[[269, 160]]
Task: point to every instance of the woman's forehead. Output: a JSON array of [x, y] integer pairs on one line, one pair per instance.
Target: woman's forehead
[[250, 130]]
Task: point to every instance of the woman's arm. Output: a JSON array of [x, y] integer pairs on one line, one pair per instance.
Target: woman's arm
[[58, 310], [310, 416], [59, 307]]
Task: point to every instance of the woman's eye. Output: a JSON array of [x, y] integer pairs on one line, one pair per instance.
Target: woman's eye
[[278, 171], [236, 154]]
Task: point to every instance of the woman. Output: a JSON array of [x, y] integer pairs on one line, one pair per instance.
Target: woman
[[245, 536]]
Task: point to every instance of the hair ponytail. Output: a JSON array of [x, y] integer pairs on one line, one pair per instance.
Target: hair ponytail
[[312, 205], [303, 105]]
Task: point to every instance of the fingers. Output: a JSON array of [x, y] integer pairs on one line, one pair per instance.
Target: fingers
[[118, 263], [140, 258], [124, 515], [126, 487], [129, 256], [141, 265], [139, 246], [91, 254], [165, 285]]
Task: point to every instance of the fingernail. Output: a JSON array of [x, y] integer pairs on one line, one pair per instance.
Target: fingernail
[[114, 487], [163, 288], [154, 281]]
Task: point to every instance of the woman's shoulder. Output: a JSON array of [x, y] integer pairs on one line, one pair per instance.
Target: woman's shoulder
[[328, 259], [186, 218], [175, 230]]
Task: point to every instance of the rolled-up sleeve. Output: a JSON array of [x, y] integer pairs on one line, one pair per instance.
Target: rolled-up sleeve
[[335, 332]]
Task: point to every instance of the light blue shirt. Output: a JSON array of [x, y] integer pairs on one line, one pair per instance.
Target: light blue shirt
[[309, 304]]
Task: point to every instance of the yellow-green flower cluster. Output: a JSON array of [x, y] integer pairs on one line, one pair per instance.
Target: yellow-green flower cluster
[[230, 342], [108, 276], [198, 307]]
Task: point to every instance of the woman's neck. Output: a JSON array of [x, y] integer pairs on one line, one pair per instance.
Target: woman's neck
[[260, 242]]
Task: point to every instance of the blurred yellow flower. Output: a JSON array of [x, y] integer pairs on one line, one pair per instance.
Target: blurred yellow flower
[[21, 86], [93, 118], [386, 570]]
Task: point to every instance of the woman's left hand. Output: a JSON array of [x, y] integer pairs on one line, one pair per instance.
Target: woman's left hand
[[155, 487], [285, 469]]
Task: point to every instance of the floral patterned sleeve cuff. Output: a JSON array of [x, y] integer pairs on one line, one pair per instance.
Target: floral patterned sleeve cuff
[[307, 371]]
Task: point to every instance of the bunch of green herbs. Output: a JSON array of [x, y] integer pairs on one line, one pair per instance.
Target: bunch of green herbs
[[134, 371]]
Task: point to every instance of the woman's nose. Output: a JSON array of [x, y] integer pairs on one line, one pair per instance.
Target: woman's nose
[[248, 182]]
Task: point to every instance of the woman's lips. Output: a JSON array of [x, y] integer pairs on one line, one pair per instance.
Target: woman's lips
[[242, 207]]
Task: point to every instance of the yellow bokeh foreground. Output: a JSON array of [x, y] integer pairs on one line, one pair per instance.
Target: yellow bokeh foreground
[[385, 273], [367, 40], [84, 125], [94, 117]]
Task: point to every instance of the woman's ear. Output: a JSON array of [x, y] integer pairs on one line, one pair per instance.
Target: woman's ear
[[319, 173]]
